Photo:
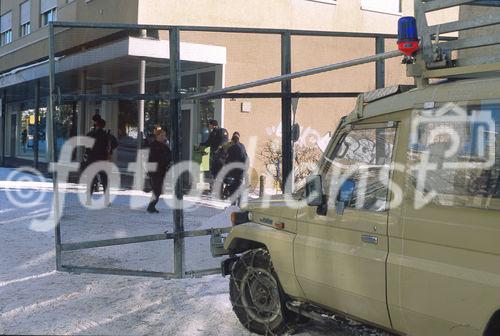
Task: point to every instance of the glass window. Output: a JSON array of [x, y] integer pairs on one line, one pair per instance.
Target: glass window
[[6, 28], [385, 6], [454, 155], [6, 37], [189, 84], [24, 20], [362, 160], [48, 16], [27, 133], [202, 82], [25, 29]]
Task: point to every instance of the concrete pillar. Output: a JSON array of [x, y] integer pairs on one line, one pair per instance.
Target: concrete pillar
[[36, 130], [142, 90], [219, 103], [108, 109], [140, 106], [109, 112], [81, 122]]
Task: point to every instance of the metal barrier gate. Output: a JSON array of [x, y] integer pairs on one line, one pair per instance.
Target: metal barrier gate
[[175, 99]]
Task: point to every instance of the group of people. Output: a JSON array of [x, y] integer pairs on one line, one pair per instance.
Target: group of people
[[222, 152]]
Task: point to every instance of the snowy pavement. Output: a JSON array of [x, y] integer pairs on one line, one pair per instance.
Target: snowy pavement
[[35, 299]]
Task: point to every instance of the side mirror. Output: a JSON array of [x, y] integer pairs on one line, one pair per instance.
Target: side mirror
[[314, 190]]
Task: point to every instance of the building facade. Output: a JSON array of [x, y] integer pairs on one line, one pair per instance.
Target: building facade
[[99, 61]]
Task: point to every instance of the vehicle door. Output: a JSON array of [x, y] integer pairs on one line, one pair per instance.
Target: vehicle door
[[341, 247], [443, 268]]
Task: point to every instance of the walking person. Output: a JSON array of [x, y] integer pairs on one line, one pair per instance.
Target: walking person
[[160, 154], [100, 151], [236, 153], [217, 138]]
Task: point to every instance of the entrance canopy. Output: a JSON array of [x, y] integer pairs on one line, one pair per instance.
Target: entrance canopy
[[114, 63]]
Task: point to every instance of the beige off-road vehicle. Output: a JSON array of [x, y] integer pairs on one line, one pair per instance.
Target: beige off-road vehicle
[[399, 227]]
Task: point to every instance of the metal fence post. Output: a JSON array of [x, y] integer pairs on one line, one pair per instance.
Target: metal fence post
[[175, 114], [286, 114], [380, 64], [262, 183], [51, 140]]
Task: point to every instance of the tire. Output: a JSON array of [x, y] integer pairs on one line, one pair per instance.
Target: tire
[[256, 295]]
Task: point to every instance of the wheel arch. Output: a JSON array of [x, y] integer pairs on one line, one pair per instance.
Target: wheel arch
[[278, 243], [493, 326], [240, 245]]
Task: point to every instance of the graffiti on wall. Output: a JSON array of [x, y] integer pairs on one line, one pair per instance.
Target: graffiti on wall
[[309, 137]]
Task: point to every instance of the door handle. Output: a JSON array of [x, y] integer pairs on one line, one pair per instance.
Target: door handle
[[369, 239]]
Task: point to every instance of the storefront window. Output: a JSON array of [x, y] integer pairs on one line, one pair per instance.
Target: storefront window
[[189, 84], [65, 125], [157, 113], [26, 138]]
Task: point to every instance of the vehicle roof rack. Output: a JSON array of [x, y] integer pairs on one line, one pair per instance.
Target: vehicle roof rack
[[437, 55], [378, 94]]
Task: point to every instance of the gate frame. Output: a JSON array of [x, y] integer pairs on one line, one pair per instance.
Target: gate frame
[[176, 97]]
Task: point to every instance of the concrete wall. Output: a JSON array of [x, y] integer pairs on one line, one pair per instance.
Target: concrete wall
[[252, 56], [342, 15]]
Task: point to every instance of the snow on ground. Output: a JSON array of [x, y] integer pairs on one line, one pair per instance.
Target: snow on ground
[[35, 299]]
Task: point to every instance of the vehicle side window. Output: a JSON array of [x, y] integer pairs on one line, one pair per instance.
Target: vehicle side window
[[361, 166], [454, 156]]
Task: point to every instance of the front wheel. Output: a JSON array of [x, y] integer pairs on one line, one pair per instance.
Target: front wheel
[[255, 294]]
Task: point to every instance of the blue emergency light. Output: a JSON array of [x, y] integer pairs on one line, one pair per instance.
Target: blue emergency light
[[408, 42]]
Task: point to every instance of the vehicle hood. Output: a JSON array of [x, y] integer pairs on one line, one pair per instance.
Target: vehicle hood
[[274, 212]]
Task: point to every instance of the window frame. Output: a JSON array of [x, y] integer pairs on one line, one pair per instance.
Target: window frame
[[330, 157], [6, 36], [23, 31], [440, 199], [44, 17], [3, 40], [24, 26]]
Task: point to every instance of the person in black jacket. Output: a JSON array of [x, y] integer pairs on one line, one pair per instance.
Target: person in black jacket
[[99, 152], [159, 153], [236, 153], [216, 139]]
